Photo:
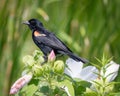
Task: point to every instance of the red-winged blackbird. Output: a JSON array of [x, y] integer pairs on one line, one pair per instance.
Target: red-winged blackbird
[[47, 41]]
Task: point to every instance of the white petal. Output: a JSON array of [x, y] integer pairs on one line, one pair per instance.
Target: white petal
[[74, 68], [88, 73], [113, 68]]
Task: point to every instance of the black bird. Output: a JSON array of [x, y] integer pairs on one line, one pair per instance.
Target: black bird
[[47, 41]]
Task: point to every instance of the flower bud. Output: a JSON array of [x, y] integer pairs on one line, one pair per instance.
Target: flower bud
[[46, 68], [38, 70], [21, 82], [58, 67], [41, 60], [51, 56], [28, 60], [37, 52], [38, 56]]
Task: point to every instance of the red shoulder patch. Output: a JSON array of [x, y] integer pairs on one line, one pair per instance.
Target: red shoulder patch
[[36, 33]]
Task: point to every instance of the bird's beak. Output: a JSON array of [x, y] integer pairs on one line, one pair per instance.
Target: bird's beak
[[26, 22]]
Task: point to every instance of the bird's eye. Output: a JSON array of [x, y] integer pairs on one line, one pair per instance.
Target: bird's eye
[[33, 23]]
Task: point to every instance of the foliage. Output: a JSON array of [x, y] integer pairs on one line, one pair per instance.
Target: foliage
[[49, 77], [89, 27], [103, 86], [50, 80]]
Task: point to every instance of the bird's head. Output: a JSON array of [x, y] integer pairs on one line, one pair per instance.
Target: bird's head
[[33, 24]]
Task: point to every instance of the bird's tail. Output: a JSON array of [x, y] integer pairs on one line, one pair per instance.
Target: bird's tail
[[76, 58]]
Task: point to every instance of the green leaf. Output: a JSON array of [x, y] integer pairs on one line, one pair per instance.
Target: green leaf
[[97, 66], [80, 86], [80, 82], [28, 90], [68, 84], [96, 82], [98, 60], [114, 94], [90, 94]]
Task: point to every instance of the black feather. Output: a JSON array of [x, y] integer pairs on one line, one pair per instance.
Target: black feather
[[48, 41]]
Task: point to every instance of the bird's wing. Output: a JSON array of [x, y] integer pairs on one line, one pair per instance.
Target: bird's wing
[[52, 41]]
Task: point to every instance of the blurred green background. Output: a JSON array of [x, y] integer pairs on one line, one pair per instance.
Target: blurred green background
[[89, 27]]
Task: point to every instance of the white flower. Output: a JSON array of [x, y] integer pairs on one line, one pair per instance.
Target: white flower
[[111, 71], [75, 70]]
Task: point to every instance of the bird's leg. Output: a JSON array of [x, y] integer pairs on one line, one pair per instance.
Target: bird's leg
[[50, 57], [60, 55]]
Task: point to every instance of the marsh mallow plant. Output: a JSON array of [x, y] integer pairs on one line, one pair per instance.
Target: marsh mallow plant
[[70, 78]]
